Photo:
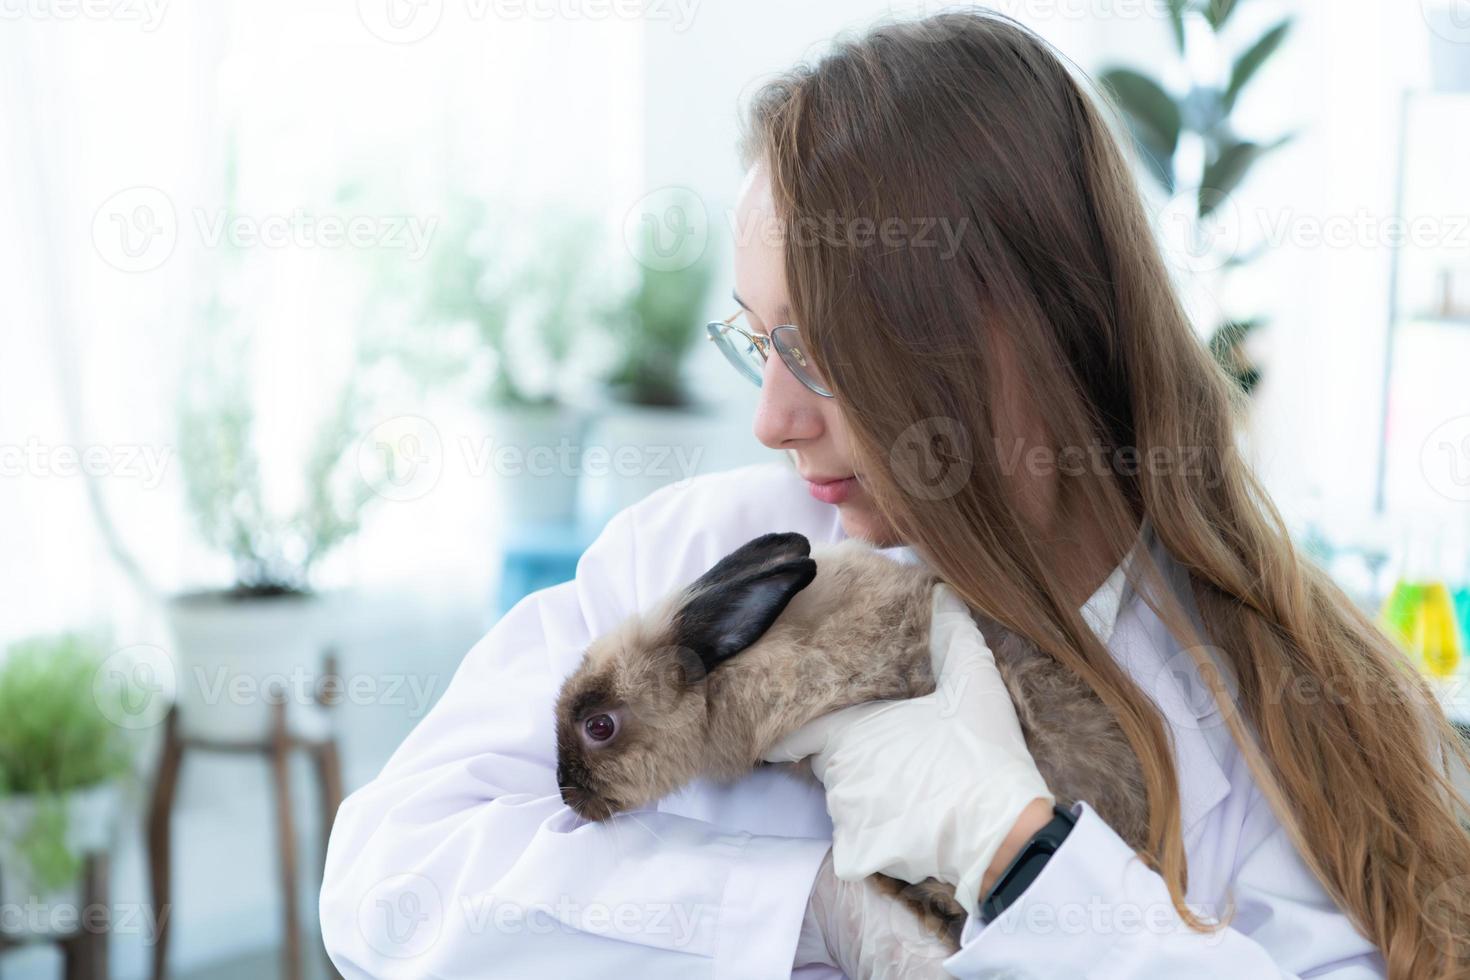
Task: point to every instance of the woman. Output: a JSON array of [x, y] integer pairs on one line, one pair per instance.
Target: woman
[[992, 371]]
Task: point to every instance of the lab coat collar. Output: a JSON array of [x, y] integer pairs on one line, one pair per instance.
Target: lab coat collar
[[1162, 668], [1102, 608]]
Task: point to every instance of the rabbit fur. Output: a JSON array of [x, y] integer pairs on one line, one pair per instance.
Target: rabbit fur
[[774, 636]]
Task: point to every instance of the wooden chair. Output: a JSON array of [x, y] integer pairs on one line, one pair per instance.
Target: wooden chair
[[84, 948]]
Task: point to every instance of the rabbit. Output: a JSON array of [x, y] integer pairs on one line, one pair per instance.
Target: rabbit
[[773, 636]]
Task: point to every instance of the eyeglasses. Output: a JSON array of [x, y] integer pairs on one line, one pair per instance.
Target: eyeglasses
[[748, 351]]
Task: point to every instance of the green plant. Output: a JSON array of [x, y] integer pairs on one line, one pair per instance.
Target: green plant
[[527, 285], [220, 462], [272, 555], [221, 471], [657, 326], [1161, 122], [58, 736]]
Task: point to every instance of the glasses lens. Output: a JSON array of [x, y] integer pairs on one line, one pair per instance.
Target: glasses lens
[[788, 343], [738, 351]]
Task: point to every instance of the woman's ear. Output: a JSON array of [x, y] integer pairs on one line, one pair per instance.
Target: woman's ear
[[735, 602]]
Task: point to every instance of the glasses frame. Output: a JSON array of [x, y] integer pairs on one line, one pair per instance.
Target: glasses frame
[[763, 343]]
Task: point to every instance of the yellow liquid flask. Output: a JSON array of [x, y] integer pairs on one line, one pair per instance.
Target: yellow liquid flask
[[1421, 615]]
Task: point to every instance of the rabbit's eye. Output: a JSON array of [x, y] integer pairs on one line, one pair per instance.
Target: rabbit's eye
[[600, 728]]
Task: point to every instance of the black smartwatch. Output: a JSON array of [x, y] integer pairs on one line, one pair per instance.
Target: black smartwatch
[[1027, 864]]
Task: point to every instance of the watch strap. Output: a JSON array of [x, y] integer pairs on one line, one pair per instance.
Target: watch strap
[[1027, 864]]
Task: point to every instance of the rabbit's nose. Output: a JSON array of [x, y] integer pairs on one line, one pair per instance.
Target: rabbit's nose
[[572, 793]]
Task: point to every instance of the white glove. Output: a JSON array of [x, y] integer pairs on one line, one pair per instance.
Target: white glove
[[930, 786], [866, 933]]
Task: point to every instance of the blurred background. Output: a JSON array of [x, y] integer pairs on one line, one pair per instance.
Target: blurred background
[[331, 329]]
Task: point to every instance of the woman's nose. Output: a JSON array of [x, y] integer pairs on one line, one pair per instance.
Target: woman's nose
[[788, 412]]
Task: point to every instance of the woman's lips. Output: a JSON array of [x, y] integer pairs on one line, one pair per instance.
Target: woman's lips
[[832, 491]]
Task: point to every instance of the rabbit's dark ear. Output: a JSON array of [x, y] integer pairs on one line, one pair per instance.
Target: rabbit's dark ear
[[766, 551], [729, 615]]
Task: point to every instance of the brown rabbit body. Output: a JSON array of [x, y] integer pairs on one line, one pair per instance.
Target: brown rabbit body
[[664, 698]]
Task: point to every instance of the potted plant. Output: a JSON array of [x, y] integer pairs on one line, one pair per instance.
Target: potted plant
[[64, 759], [1173, 129], [240, 647], [650, 429], [510, 294]]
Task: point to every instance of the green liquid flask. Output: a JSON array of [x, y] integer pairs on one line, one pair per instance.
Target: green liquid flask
[[1400, 609], [1421, 615]]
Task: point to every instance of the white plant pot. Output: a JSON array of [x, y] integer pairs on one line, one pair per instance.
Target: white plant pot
[[534, 458], [632, 450], [233, 657], [91, 825], [1449, 44]]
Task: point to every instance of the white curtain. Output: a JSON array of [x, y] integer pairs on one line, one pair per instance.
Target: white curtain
[[135, 145]]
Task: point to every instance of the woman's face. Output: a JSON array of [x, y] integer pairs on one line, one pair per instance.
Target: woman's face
[[791, 416]]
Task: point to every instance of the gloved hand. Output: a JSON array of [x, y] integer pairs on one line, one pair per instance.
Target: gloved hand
[[930, 786], [866, 932]]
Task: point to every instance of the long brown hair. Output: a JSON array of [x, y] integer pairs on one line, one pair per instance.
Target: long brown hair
[[947, 185]]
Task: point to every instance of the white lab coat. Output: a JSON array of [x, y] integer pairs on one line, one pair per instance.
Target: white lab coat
[[460, 859]]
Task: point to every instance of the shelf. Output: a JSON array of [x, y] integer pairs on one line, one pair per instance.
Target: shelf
[[1435, 321]]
